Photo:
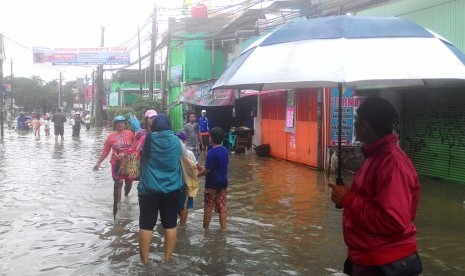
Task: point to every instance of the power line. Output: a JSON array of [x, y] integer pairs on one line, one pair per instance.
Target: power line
[[19, 44]]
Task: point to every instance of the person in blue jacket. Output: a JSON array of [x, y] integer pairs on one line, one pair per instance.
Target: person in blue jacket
[[160, 186], [22, 122]]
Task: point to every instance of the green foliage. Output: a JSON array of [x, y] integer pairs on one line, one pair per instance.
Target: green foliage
[[125, 111], [141, 105], [33, 93], [115, 111], [68, 95], [139, 108]]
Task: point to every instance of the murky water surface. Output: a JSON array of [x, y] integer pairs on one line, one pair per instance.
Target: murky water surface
[[56, 219]]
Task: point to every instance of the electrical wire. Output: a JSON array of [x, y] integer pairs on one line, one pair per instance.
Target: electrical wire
[[328, 6], [17, 43]]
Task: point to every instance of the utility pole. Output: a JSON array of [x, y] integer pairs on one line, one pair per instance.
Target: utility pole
[[1, 84], [140, 62], [11, 84], [99, 106], [164, 91], [92, 109], [152, 51], [213, 58], [84, 94], [59, 93]]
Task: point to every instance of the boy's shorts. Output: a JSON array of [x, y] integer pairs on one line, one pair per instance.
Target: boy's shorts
[[186, 202], [215, 198]]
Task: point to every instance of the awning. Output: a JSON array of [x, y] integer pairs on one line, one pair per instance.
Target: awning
[[245, 93], [201, 94]]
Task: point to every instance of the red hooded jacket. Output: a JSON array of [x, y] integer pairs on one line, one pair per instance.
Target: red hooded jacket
[[381, 205]]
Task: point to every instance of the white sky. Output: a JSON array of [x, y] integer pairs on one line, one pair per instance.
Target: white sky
[[77, 23], [70, 23]]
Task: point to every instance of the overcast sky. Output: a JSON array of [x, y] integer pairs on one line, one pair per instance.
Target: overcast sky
[[71, 23]]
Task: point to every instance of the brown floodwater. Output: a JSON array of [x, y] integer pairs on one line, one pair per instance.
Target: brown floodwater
[[56, 218]]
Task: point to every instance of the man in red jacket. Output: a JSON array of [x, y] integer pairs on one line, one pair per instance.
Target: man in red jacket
[[380, 206]]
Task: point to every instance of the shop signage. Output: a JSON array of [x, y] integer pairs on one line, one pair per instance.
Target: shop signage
[[350, 103]]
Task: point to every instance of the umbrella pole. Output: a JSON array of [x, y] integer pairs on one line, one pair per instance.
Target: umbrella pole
[[339, 180]]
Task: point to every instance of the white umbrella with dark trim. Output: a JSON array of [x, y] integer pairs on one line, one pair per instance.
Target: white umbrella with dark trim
[[346, 50]]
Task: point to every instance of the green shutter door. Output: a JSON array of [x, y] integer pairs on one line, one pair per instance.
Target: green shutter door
[[433, 131]]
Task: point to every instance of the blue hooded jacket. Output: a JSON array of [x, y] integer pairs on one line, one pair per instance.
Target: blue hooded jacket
[[161, 171]]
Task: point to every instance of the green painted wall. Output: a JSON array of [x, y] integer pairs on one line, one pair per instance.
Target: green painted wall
[[199, 65], [130, 98], [176, 112], [115, 85], [196, 61], [444, 17], [177, 57]]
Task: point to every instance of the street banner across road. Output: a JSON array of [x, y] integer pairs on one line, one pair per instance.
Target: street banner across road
[[82, 56]]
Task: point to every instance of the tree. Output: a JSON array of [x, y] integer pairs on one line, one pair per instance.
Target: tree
[[139, 108], [141, 105], [28, 92], [68, 94], [33, 93]]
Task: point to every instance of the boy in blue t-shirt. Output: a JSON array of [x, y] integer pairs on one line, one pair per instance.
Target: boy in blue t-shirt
[[216, 180]]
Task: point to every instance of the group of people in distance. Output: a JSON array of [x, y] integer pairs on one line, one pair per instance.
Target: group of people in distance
[[161, 188], [58, 119]]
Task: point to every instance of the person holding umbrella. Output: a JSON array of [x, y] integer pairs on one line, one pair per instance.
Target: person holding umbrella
[[116, 142], [160, 186], [380, 206]]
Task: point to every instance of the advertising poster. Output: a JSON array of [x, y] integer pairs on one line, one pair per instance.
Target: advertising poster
[[290, 112], [350, 103], [113, 99], [176, 75], [82, 56], [202, 94]]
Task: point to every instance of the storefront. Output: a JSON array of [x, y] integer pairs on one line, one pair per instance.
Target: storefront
[[433, 131], [291, 125], [226, 108]]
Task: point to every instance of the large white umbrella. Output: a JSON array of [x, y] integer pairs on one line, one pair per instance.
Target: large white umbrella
[[346, 50]]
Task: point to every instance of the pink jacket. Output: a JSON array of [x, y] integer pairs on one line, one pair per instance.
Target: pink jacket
[[117, 140], [381, 205]]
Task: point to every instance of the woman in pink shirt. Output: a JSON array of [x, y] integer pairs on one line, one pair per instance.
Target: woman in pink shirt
[[116, 141]]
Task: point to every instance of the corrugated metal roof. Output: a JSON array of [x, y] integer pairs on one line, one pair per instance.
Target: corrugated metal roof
[[337, 7], [247, 20]]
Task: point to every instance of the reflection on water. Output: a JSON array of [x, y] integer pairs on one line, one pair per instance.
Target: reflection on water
[[56, 219]]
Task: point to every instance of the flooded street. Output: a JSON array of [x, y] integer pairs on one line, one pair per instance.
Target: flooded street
[[56, 218]]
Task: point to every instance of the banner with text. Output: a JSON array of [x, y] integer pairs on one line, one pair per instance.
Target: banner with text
[[201, 94], [350, 103], [82, 56]]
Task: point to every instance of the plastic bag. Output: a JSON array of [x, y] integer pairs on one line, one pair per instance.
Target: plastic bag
[[129, 164]]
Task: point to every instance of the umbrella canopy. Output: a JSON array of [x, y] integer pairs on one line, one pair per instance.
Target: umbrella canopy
[[346, 50], [355, 51]]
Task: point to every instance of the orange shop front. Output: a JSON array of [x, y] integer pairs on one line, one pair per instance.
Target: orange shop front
[[291, 124]]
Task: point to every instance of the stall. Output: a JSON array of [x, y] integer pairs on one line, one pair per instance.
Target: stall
[[243, 138]]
